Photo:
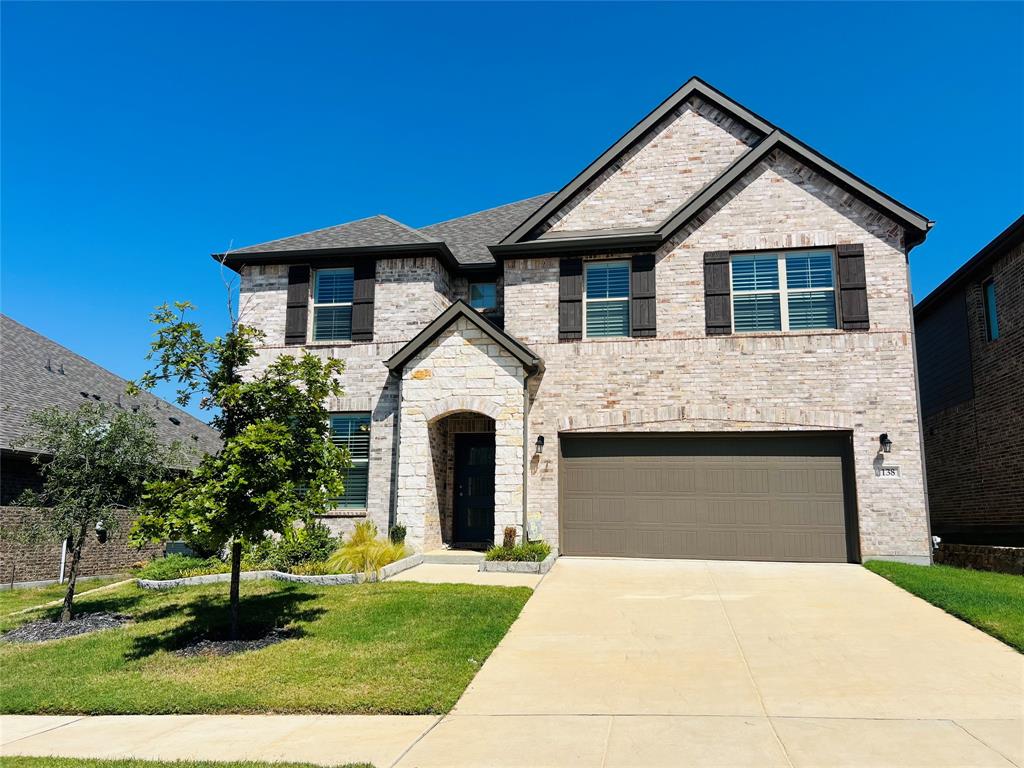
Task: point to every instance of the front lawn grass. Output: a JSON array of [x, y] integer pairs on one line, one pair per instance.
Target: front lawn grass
[[397, 648], [76, 762], [993, 602], [28, 597]]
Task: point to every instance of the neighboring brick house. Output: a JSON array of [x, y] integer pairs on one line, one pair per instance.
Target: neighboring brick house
[[970, 351], [36, 373], [691, 350]]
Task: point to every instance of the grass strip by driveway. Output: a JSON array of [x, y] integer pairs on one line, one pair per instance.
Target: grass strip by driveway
[[28, 597], [389, 648], [992, 602], [75, 762]]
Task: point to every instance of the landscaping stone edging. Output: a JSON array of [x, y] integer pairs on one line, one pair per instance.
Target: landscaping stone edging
[[982, 557], [329, 580], [518, 566]]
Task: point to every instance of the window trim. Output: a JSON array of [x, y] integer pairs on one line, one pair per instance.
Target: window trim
[[314, 305], [991, 309], [628, 298], [469, 295], [784, 290], [337, 508]]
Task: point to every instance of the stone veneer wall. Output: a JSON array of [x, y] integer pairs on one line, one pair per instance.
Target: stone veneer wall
[[683, 380], [462, 370], [686, 151]]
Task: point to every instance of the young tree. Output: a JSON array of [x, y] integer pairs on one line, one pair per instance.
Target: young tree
[[277, 464], [94, 463]]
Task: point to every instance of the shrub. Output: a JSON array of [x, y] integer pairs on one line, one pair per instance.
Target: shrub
[[180, 566], [312, 543], [397, 534], [364, 552], [311, 569], [532, 552]]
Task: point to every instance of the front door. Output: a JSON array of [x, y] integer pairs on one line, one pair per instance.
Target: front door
[[474, 489]]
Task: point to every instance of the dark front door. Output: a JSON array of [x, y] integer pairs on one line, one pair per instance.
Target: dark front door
[[474, 488]]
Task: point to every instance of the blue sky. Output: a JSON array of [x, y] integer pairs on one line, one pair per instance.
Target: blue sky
[[139, 138]]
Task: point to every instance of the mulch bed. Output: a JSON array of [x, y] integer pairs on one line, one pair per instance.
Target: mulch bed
[[208, 647], [41, 630]]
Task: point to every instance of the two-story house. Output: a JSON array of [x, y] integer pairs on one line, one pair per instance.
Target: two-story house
[[970, 350], [700, 347]]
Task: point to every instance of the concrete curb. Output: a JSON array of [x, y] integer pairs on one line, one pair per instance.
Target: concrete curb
[[328, 580], [508, 566]]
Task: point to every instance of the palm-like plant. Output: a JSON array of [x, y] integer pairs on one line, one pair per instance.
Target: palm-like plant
[[363, 552]]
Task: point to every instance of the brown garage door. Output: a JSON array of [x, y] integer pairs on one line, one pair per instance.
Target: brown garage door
[[732, 497]]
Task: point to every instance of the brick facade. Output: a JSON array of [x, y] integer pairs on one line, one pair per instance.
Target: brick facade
[[862, 383], [975, 447], [20, 561]]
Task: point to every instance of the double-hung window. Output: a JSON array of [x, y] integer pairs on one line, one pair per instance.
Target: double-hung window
[[332, 305], [991, 315], [789, 291], [352, 431], [606, 298]]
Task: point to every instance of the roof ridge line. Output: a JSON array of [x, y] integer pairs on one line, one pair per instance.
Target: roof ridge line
[[404, 226]]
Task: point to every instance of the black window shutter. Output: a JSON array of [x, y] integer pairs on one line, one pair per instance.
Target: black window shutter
[[717, 299], [364, 277], [570, 299], [643, 316], [297, 311], [853, 288]]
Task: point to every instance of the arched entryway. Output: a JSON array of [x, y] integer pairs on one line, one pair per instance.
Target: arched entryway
[[462, 450]]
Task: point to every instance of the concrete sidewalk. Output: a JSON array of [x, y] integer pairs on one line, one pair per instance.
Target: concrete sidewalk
[[322, 739]]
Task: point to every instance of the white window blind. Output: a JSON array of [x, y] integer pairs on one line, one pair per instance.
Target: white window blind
[[783, 291], [606, 298], [332, 305], [352, 431]]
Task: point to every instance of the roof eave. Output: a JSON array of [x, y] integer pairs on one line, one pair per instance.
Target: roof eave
[[1002, 242], [578, 245], [437, 249], [531, 362]]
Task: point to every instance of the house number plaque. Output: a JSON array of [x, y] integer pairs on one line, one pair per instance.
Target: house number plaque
[[887, 471]]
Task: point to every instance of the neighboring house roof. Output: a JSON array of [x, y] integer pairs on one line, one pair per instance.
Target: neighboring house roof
[[529, 359], [38, 372], [1004, 241], [473, 241]]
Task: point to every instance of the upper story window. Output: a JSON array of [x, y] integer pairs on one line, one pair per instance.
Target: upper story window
[[783, 291], [991, 314], [606, 298], [332, 304], [352, 431], [483, 296]]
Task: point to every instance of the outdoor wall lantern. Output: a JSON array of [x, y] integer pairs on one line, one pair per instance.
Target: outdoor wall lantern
[[885, 442], [540, 444], [101, 532]]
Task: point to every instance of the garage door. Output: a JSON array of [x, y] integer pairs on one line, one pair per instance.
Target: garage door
[[732, 497]]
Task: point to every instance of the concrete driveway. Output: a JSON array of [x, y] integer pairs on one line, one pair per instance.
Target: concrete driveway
[[672, 663]]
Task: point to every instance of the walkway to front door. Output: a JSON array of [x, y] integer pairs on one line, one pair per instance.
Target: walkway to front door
[[474, 490]]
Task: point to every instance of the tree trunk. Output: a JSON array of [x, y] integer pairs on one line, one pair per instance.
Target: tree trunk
[[76, 558], [236, 577]]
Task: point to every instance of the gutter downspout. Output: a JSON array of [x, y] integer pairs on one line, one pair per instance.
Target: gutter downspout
[[396, 434], [526, 458], [920, 420]]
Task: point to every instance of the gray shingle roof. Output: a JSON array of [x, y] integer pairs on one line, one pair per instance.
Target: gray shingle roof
[[469, 236], [362, 233], [36, 372], [466, 236]]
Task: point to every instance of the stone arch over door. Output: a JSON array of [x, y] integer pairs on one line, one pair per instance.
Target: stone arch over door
[[446, 406]]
